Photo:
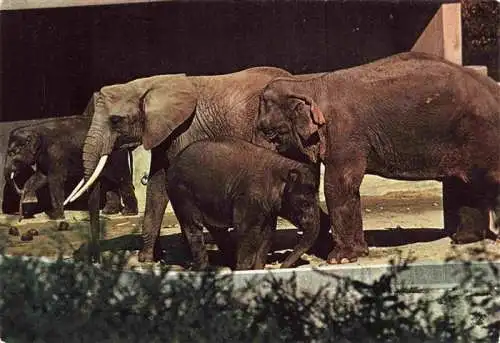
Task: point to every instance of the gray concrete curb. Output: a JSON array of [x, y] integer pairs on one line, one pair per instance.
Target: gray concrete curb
[[419, 276]]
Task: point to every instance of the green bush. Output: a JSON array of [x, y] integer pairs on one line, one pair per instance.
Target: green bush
[[480, 34], [67, 302]]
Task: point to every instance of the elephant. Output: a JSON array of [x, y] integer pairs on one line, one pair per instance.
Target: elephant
[[410, 116], [227, 182], [166, 113], [53, 148]]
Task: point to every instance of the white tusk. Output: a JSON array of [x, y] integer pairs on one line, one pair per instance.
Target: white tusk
[[18, 190], [93, 177], [34, 167], [74, 192]]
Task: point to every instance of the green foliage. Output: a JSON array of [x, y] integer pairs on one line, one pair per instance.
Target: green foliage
[[480, 22], [77, 302], [480, 31]]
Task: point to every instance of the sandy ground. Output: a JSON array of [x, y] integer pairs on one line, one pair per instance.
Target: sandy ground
[[407, 224]]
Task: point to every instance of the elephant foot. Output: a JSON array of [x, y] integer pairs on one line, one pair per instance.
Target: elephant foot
[[129, 211], [473, 226], [110, 210], [26, 215], [202, 267], [342, 255], [466, 237], [361, 249], [148, 255], [55, 214], [323, 245], [28, 209], [321, 248]]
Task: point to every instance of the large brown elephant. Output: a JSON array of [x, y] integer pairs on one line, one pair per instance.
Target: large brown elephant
[[166, 113], [411, 116]]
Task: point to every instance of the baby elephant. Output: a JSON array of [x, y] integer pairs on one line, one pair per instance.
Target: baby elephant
[[228, 182]]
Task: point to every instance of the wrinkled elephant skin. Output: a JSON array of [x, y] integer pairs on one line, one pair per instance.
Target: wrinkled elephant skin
[[411, 116], [237, 184]]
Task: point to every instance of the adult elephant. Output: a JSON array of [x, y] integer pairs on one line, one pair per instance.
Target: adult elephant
[[53, 148], [166, 113], [411, 116]]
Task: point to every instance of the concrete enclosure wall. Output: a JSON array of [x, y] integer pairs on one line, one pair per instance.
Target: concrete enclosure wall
[[52, 59]]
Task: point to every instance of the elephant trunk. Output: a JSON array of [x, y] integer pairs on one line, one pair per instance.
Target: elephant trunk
[[96, 149], [96, 145]]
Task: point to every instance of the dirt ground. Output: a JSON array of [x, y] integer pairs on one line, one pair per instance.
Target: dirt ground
[[409, 225]]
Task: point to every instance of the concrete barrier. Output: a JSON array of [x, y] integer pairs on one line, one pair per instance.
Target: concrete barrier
[[418, 276]]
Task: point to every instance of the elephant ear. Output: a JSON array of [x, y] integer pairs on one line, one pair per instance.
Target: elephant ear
[[33, 141], [307, 117], [166, 106]]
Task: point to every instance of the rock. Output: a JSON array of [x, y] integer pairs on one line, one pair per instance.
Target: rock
[[14, 231], [63, 226], [33, 232], [26, 237]]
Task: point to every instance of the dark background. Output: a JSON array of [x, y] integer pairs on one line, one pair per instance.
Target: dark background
[[53, 59]]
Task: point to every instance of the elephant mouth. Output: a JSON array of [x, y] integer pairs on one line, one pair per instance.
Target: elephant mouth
[[272, 136], [132, 145], [276, 136], [126, 143]]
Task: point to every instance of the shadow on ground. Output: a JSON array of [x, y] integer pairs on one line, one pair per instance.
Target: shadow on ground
[[176, 253]]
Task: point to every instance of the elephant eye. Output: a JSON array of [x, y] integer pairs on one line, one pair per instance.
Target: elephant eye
[[298, 106], [115, 120]]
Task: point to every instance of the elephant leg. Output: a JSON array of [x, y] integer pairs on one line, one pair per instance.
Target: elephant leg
[[29, 197], [194, 237], [225, 244], [113, 203], [249, 252], [496, 210], [265, 246], [156, 204], [466, 211], [127, 193], [190, 220], [360, 244], [56, 190], [94, 252], [342, 183], [252, 229], [322, 245]]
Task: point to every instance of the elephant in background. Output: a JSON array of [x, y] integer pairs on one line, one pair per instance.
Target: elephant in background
[[53, 149], [411, 116], [166, 113]]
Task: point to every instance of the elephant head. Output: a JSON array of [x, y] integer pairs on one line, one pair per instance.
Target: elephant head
[[144, 111], [291, 119], [22, 152]]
